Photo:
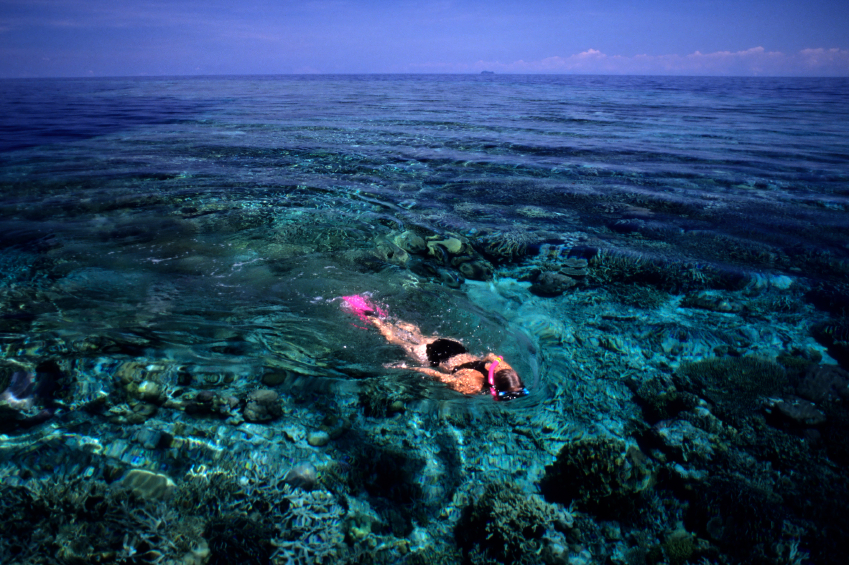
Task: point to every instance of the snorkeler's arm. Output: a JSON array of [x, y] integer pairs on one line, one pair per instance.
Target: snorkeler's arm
[[424, 370], [465, 381]]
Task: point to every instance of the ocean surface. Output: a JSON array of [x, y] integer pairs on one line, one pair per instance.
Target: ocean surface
[[663, 260]]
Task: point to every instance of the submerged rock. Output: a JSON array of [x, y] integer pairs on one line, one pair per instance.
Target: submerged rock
[[262, 405], [683, 441], [148, 485], [798, 411], [18, 395], [476, 270], [303, 476], [707, 300], [27, 395], [208, 402], [824, 383], [335, 426], [449, 258], [440, 246], [552, 284], [318, 438], [410, 242]]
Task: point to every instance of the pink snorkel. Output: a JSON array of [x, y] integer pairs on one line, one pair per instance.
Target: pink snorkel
[[492, 376]]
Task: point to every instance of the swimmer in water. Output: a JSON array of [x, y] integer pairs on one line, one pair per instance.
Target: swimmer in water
[[445, 359]]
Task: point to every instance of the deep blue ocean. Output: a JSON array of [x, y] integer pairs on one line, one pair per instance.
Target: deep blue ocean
[[663, 260]]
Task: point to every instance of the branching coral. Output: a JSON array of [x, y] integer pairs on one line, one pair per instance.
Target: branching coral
[[84, 521], [210, 517], [313, 529]]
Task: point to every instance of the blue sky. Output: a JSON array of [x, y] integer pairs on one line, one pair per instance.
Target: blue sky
[[51, 38]]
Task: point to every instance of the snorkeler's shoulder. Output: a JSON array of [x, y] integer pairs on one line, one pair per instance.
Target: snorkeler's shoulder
[[491, 357]]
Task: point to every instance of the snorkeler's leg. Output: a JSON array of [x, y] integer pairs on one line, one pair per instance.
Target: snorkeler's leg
[[396, 332], [404, 334], [362, 307]]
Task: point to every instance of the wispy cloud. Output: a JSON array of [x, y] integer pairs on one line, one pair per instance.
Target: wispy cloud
[[756, 61]]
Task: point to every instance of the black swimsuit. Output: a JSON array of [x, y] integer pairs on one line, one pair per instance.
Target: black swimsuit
[[443, 349], [476, 365]]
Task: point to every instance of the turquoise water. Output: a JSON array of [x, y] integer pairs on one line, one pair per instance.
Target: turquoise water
[[663, 261]]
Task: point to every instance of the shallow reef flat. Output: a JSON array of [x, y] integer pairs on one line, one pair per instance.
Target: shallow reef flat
[[181, 381]]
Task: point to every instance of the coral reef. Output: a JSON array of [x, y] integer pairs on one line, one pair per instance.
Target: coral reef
[[179, 387], [238, 539], [387, 476], [535, 212], [503, 246], [508, 526], [830, 297], [611, 266], [834, 334], [312, 530], [206, 517], [707, 300], [679, 546], [600, 474], [381, 397], [553, 276], [736, 385], [743, 519], [85, 521], [660, 399], [447, 257]]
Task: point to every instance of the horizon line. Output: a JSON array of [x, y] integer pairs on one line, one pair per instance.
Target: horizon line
[[413, 73]]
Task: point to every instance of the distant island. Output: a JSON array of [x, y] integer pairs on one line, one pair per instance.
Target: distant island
[[487, 72]]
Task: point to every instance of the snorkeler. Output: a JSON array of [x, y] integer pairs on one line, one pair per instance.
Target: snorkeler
[[445, 359]]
